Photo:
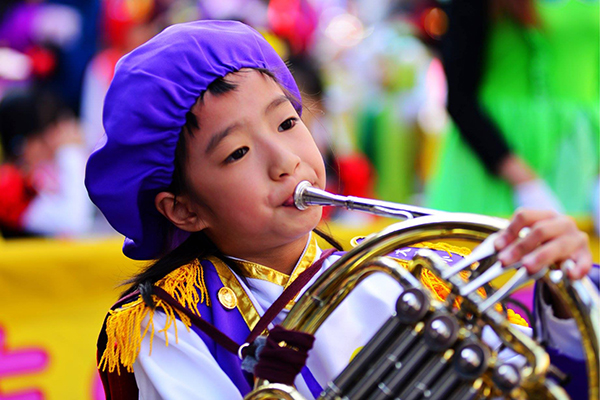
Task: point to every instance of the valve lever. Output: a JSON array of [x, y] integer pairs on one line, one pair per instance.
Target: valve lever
[[519, 278], [485, 250], [492, 273]]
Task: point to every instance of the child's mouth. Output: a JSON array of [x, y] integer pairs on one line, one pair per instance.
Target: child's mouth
[[289, 202]]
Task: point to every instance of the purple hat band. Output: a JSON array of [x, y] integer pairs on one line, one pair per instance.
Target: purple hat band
[[153, 88]]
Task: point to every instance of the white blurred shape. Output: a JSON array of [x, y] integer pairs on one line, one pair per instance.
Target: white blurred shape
[[14, 66], [537, 195], [58, 24], [345, 30]]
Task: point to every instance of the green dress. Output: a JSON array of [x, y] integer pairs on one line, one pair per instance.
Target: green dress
[[541, 87]]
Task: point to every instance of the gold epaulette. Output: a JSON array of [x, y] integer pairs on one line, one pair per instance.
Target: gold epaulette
[[124, 324]]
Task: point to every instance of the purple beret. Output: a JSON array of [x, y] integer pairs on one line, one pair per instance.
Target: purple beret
[[153, 88]]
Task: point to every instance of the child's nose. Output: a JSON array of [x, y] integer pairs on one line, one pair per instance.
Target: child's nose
[[283, 162]]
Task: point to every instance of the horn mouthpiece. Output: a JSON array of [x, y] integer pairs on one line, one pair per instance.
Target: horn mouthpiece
[[299, 195]]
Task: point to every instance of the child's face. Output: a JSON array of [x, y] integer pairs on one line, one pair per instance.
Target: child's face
[[244, 163]]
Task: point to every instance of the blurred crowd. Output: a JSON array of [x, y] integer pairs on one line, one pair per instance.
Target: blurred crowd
[[375, 77]]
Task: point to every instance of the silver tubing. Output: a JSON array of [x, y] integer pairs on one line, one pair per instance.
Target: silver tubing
[[305, 195]]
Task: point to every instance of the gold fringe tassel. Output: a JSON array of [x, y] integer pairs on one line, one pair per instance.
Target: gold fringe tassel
[[124, 325], [124, 332], [184, 284]]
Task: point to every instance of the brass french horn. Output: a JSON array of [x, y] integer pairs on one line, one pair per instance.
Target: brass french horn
[[429, 349]]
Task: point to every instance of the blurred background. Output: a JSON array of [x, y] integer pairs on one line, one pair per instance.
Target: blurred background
[[480, 106]]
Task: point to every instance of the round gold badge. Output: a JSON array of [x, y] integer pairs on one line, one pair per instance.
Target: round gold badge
[[227, 298]]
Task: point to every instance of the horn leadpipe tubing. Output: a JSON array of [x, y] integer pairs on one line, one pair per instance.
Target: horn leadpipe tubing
[[306, 195]]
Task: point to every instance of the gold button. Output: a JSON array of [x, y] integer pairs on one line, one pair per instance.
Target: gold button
[[227, 298]]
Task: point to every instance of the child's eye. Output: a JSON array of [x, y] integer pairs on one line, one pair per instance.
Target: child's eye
[[236, 155], [287, 124]]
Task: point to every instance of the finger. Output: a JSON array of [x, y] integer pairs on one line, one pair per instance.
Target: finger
[[583, 264], [555, 250], [521, 219], [540, 233]]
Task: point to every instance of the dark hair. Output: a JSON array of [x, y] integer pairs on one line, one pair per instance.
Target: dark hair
[[198, 245], [306, 75], [25, 113]]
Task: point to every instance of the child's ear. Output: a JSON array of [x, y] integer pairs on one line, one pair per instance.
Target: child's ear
[[178, 211]]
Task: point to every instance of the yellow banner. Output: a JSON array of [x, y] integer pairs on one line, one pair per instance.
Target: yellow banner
[[54, 295]]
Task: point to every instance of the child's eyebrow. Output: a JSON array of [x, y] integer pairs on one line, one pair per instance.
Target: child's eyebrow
[[275, 103], [216, 139]]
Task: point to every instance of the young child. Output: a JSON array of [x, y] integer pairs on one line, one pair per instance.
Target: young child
[[204, 148], [42, 170]]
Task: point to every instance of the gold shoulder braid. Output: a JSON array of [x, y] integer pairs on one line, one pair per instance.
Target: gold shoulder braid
[[124, 324]]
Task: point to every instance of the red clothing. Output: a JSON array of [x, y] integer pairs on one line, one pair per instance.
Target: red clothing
[[17, 193]]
